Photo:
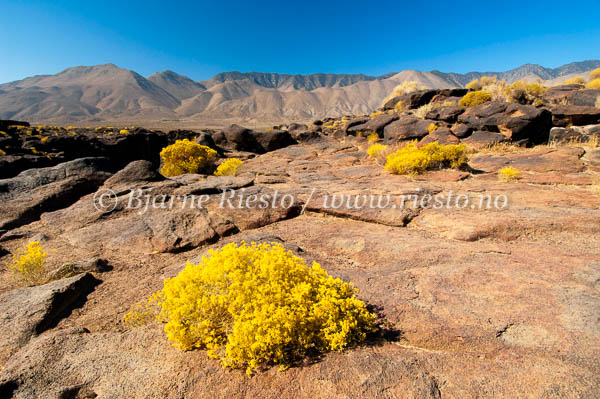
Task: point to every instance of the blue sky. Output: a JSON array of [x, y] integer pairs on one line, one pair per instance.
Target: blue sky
[[200, 39]]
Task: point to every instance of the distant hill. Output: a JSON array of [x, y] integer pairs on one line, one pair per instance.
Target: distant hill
[[110, 93]]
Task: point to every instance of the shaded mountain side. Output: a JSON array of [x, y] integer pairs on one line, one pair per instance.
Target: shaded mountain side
[[108, 92]]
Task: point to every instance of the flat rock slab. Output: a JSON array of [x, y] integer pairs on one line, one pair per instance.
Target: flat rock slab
[[27, 312]]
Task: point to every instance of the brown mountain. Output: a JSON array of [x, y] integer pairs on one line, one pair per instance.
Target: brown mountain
[[109, 93]]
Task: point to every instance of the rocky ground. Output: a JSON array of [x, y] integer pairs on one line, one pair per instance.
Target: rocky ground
[[475, 303]]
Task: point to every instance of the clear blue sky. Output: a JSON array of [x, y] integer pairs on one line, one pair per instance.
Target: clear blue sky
[[199, 39]]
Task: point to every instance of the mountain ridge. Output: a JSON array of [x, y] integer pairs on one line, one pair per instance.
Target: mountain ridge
[[108, 92]]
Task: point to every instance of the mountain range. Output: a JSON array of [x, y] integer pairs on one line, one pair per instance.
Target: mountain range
[[108, 93]]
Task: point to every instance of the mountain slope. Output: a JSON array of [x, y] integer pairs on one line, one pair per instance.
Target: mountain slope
[[109, 93]]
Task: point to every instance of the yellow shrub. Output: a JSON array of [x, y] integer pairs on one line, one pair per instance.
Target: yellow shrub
[[2, 153], [44, 139], [525, 93], [185, 156], [376, 150], [488, 80], [403, 88], [376, 113], [578, 80], [373, 138], [250, 305], [432, 127], [595, 74], [473, 85], [475, 98], [124, 131], [411, 159], [422, 111], [3, 133], [509, 174], [228, 168], [399, 106], [593, 84], [28, 264]]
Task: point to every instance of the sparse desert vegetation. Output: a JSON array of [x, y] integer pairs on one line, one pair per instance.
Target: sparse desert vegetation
[[475, 98], [412, 160], [185, 156]]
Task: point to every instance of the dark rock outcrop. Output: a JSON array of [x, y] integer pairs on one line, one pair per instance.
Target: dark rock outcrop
[[515, 121], [565, 115], [407, 127], [35, 191], [375, 125]]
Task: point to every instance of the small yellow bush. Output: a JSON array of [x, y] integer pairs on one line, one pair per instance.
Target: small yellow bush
[[250, 305], [376, 114], [593, 84], [509, 174], [399, 107], [44, 139], [525, 93], [595, 74], [475, 98], [422, 111], [432, 127], [373, 137], [123, 131], [403, 88], [2, 153], [473, 85], [376, 150], [228, 168], [411, 159], [28, 264], [185, 156], [577, 80]]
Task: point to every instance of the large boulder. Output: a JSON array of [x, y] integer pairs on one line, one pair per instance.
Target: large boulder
[[240, 138], [572, 95], [27, 312], [406, 128], [422, 97], [135, 172], [35, 191], [565, 115], [375, 125], [446, 114], [441, 136], [515, 121]]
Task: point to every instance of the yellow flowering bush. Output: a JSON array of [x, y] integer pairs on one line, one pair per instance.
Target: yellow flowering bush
[[593, 84], [577, 80], [229, 167], [473, 85], [412, 159], [376, 150], [509, 174], [474, 98], [250, 305], [373, 137], [124, 131], [185, 156], [525, 93], [432, 127], [28, 264], [595, 74], [2, 153]]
